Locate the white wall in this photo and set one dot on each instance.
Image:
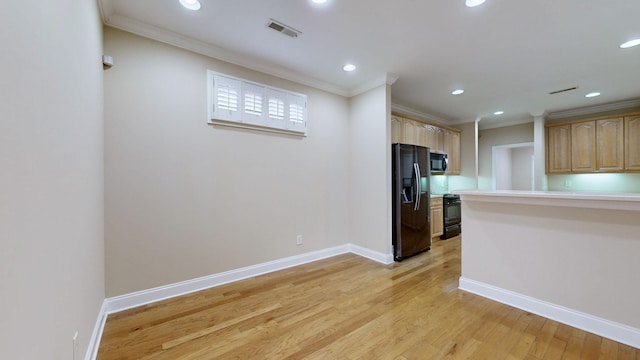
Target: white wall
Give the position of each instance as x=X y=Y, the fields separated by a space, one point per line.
x=521 y=168
x=503 y=172
x=185 y=199
x=370 y=170
x=515 y=134
x=51 y=177
x=562 y=252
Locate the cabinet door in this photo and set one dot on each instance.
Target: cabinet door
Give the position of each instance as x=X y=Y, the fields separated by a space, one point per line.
x=397 y=130
x=423 y=135
x=410 y=128
x=559 y=149
x=437 y=217
x=583 y=147
x=435 y=138
x=609 y=134
x=632 y=143
x=452 y=149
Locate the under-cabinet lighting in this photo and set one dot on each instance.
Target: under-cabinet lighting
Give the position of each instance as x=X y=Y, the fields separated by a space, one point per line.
x=499 y=112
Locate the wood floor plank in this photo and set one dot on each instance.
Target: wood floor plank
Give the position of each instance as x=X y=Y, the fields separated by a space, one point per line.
x=348 y=307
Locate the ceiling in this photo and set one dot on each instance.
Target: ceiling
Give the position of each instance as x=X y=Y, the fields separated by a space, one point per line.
x=506 y=54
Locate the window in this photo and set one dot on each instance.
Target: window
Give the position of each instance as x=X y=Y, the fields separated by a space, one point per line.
x=241 y=103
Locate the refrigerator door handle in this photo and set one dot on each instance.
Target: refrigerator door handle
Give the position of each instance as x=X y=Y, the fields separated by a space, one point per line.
x=416 y=169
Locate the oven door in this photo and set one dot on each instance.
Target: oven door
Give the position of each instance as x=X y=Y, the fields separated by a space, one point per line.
x=452 y=212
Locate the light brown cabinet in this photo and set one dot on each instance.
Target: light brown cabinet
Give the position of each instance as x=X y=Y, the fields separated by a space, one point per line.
x=606 y=145
x=632 y=143
x=452 y=149
x=610 y=145
x=436 y=138
x=583 y=147
x=559 y=149
x=437 y=216
x=397 y=130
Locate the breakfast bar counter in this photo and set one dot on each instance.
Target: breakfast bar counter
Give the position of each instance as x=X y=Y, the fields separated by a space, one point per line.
x=571 y=257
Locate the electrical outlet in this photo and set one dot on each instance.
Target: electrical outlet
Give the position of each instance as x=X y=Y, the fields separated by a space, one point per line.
x=299 y=240
x=568 y=183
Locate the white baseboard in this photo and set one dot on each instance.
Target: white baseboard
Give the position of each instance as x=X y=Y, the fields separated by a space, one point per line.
x=370 y=254
x=96 y=335
x=139 y=298
x=609 y=329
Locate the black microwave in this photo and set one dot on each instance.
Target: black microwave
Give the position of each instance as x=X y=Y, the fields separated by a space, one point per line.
x=439 y=163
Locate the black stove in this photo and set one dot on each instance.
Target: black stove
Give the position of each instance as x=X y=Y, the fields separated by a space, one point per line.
x=452 y=216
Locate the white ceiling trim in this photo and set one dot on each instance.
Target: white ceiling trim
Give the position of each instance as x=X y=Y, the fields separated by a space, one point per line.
x=200 y=47
x=590 y=110
x=386 y=79
x=419 y=114
x=106 y=10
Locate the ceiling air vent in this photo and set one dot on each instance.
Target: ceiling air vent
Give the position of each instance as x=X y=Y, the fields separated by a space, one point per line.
x=282 y=28
x=563 y=90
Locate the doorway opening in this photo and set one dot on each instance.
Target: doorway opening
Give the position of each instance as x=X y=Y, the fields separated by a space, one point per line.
x=513 y=167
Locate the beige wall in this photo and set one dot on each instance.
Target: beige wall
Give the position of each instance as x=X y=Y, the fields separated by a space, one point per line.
x=185 y=199
x=515 y=134
x=370 y=170
x=579 y=258
x=51 y=177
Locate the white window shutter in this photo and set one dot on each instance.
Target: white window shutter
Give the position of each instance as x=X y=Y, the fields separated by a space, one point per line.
x=246 y=104
x=226 y=104
x=253 y=104
x=276 y=108
x=297 y=113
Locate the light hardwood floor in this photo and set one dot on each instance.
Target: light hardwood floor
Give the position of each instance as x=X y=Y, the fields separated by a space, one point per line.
x=348 y=307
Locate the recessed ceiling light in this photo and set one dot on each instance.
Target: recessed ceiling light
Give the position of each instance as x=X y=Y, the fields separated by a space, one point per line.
x=319 y=1
x=457 y=92
x=472 y=3
x=349 y=67
x=630 y=43
x=191 y=4
x=499 y=112
x=592 y=94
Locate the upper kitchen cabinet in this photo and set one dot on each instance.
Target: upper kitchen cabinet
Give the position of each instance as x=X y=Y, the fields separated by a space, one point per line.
x=583 y=147
x=606 y=145
x=436 y=137
x=410 y=132
x=397 y=130
x=452 y=149
x=632 y=142
x=559 y=149
x=610 y=145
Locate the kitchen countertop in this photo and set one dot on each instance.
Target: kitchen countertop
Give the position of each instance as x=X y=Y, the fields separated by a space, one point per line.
x=596 y=200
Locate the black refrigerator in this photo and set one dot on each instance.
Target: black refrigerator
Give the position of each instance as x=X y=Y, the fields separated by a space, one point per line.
x=411 y=200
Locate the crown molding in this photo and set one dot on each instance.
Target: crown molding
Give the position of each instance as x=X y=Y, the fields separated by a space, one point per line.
x=168 y=37
x=386 y=79
x=419 y=114
x=106 y=10
x=590 y=110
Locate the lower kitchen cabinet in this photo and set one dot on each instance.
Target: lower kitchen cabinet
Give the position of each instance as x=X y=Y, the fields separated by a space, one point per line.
x=437 y=217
